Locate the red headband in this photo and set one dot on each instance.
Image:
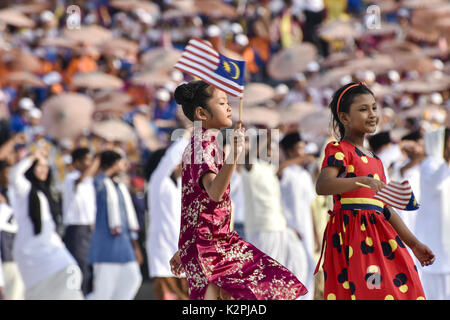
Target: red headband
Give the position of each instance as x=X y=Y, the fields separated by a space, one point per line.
x=346 y=89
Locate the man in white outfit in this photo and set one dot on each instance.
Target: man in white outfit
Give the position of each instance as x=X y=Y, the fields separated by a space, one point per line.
x=79 y=209
x=297 y=193
x=164 y=202
x=433 y=220
x=265 y=224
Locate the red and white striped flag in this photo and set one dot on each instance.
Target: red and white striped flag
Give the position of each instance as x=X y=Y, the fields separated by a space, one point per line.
x=398 y=195
x=201 y=60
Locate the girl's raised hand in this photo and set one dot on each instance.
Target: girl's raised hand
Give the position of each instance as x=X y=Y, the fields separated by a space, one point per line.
x=239 y=140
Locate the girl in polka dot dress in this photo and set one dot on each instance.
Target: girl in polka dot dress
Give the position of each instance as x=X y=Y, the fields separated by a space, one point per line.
x=364 y=250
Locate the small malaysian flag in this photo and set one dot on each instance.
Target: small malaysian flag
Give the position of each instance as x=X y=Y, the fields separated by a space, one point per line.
x=398 y=195
x=201 y=60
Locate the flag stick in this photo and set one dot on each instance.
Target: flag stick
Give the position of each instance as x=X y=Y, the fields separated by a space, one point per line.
x=241 y=107
x=363 y=185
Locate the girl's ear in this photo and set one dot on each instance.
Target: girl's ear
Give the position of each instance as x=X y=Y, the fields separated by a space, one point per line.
x=344 y=118
x=201 y=114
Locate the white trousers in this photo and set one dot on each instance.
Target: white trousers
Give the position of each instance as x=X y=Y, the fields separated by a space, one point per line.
x=14 y=288
x=436 y=285
x=63 y=285
x=116 y=281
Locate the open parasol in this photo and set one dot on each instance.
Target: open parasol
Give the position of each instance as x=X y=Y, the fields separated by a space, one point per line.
x=15 y=18
x=24 y=78
x=67 y=115
x=297 y=111
x=97 y=80
x=256 y=93
x=114 y=130
x=90 y=35
x=285 y=64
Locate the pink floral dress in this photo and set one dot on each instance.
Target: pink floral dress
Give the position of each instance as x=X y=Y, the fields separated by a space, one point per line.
x=209 y=251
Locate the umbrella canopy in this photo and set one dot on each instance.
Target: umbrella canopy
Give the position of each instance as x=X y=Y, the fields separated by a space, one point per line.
x=210 y=8
x=31 y=8
x=67 y=115
x=24 y=78
x=21 y=61
x=338 y=30
x=378 y=64
x=119 y=47
x=398 y=47
x=256 y=93
x=91 y=35
x=146 y=132
x=97 y=80
x=297 y=111
x=130 y=5
x=160 y=59
x=16 y=18
x=58 y=42
x=151 y=78
x=285 y=64
x=115 y=101
x=114 y=130
x=316 y=123
x=422 y=86
x=258 y=115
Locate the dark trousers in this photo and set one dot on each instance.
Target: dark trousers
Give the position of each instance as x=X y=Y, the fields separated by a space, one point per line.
x=313 y=21
x=77 y=239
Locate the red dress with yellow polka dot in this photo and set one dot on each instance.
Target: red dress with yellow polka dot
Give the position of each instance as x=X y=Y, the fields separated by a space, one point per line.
x=364 y=258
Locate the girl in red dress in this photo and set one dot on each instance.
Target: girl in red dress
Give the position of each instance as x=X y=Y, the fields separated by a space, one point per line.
x=365 y=256
x=217 y=262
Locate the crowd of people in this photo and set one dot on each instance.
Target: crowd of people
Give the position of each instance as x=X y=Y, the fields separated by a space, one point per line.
x=98 y=207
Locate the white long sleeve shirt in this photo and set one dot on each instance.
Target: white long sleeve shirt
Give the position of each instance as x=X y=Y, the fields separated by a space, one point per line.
x=297 y=193
x=263 y=209
x=433 y=220
x=79 y=206
x=37 y=256
x=164 y=203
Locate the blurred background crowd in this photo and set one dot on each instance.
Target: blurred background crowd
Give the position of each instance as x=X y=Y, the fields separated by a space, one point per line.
x=99 y=74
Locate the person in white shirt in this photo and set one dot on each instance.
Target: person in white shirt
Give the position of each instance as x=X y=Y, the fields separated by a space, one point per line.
x=433 y=220
x=297 y=194
x=47 y=268
x=79 y=209
x=164 y=203
x=265 y=223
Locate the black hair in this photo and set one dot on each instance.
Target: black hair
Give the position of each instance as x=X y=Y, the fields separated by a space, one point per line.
x=290 y=140
x=79 y=154
x=153 y=162
x=192 y=95
x=108 y=158
x=414 y=136
x=379 y=140
x=344 y=105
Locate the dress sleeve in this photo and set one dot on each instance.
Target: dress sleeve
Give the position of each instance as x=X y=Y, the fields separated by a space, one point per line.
x=335 y=155
x=205 y=160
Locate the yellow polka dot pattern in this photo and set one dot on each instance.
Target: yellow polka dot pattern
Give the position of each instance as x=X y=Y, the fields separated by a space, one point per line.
x=403 y=288
x=351 y=169
x=420 y=298
x=393 y=244
x=364 y=159
x=389 y=297
x=369 y=241
x=339 y=156
x=373 y=269
x=350 y=252
x=376 y=176
x=331 y=296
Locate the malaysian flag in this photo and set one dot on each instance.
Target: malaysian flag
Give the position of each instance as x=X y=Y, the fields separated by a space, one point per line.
x=201 y=60
x=398 y=195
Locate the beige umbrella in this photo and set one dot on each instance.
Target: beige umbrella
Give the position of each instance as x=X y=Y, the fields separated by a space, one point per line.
x=130 y=5
x=336 y=59
x=422 y=86
x=256 y=93
x=297 y=111
x=285 y=64
x=160 y=59
x=378 y=64
x=16 y=18
x=58 y=42
x=338 y=30
x=316 y=123
x=91 y=35
x=414 y=4
x=210 y=8
x=413 y=62
x=151 y=79
x=396 y=47
x=119 y=47
x=67 y=115
x=385 y=29
x=332 y=77
x=258 y=115
x=114 y=130
x=21 y=61
x=97 y=80
x=24 y=78
x=146 y=132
